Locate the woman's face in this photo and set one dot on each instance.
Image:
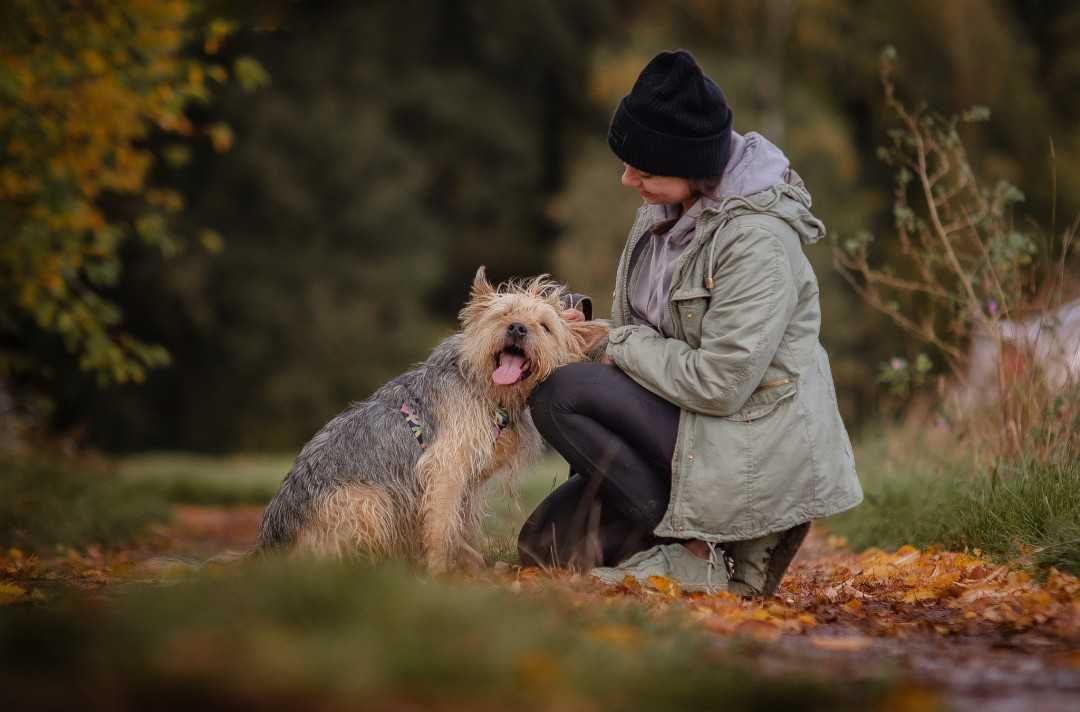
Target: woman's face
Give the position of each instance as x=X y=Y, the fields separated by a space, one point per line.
x=659 y=190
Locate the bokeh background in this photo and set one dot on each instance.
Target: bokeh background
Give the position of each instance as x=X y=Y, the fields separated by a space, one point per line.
x=335 y=207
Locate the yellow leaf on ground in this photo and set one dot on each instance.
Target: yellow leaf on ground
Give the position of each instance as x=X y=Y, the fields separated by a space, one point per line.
x=664 y=585
x=630 y=584
x=759 y=629
x=845 y=644
x=881 y=572
x=620 y=635
x=10 y=593
x=911 y=699
x=537 y=669
x=920 y=594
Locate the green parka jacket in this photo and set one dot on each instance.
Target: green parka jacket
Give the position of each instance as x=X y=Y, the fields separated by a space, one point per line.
x=761 y=446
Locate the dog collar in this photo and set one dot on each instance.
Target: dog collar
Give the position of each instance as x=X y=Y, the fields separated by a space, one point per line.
x=502 y=421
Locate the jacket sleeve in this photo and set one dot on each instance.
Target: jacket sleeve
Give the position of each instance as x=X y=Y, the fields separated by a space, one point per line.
x=748 y=313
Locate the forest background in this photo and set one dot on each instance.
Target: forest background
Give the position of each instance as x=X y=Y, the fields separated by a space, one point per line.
x=334 y=191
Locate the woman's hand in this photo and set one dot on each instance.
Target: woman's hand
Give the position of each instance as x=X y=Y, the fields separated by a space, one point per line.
x=597 y=345
x=572 y=315
x=597 y=348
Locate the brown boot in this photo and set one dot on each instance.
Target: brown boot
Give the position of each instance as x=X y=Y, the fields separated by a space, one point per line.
x=760 y=563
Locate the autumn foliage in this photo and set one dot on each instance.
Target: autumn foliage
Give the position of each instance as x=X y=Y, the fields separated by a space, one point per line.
x=83 y=86
x=842 y=600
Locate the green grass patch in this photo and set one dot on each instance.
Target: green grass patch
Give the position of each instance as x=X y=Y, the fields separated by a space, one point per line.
x=289 y=634
x=1022 y=511
x=506 y=513
x=185 y=478
x=43 y=505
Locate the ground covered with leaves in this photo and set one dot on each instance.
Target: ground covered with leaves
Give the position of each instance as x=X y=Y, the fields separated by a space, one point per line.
x=162 y=613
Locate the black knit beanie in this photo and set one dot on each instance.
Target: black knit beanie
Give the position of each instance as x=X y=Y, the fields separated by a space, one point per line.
x=674 y=122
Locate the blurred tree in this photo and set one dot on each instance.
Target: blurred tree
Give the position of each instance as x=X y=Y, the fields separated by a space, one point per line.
x=400 y=146
x=804 y=73
x=403 y=144
x=82 y=88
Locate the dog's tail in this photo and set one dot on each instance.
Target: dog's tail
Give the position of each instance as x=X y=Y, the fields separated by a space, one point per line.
x=285 y=515
x=171 y=567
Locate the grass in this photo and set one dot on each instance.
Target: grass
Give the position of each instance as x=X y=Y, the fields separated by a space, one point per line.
x=917 y=492
x=281 y=633
x=288 y=634
x=185 y=478
x=506 y=513
x=44 y=504
x=253 y=479
x=916 y=495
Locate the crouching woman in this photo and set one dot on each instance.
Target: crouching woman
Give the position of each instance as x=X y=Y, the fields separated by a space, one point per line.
x=710 y=437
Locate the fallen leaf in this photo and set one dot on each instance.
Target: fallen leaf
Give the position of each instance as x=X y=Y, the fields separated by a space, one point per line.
x=10 y=593
x=844 y=644
x=619 y=635
x=664 y=585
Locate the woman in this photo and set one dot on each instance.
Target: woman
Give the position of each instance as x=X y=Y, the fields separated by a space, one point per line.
x=719 y=424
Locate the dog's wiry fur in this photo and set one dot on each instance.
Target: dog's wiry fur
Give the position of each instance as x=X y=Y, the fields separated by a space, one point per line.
x=363 y=484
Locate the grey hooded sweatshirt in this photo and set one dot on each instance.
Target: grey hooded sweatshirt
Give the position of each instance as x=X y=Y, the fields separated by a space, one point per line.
x=755 y=164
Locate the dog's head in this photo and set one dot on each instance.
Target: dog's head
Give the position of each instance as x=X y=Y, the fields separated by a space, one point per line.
x=515 y=337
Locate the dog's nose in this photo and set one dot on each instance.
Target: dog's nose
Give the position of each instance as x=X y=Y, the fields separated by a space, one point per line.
x=516 y=330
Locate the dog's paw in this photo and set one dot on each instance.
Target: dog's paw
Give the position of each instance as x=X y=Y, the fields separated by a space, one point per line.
x=470 y=559
x=437 y=563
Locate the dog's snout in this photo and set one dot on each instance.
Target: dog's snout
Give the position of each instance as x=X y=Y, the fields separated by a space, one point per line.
x=516 y=330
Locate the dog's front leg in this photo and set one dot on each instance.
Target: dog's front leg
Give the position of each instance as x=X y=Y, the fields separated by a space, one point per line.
x=445 y=477
x=472 y=542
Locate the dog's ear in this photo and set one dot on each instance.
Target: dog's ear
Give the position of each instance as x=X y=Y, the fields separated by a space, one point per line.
x=589 y=336
x=480 y=286
x=480 y=298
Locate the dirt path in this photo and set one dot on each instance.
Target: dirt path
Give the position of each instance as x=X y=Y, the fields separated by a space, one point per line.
x=987 y=637
x=954 y=626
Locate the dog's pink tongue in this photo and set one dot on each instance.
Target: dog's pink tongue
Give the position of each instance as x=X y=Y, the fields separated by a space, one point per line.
x=509 y=370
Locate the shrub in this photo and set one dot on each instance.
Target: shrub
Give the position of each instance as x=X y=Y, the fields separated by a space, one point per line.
x=985 y=295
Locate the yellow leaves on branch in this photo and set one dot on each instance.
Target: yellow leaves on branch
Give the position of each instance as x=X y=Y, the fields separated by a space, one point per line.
x=79 y=100
x=82 y=85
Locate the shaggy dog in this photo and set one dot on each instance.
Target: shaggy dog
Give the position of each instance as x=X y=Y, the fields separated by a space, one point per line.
x=400 y=474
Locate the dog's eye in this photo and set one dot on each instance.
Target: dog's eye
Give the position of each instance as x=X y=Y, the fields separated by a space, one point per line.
x=546 y=327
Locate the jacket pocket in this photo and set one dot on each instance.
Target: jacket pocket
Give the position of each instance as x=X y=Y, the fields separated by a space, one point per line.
x=764 y=401
x=690 y=306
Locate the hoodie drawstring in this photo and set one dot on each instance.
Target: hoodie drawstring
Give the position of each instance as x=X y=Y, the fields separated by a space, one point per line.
x=712 y=563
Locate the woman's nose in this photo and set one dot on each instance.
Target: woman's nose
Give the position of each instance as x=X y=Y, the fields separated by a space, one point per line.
x=630 y=177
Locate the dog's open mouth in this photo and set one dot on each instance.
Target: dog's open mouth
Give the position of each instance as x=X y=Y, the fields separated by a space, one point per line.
x=511 y=365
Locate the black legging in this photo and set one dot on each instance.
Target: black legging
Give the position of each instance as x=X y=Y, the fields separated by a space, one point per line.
x=619 y=440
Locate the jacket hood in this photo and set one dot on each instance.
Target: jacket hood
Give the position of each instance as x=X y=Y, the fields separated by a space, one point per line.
x=760 y=179
x=755 y=164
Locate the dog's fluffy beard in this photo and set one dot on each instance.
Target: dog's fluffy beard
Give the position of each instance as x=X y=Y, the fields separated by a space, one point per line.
x=515 y=337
